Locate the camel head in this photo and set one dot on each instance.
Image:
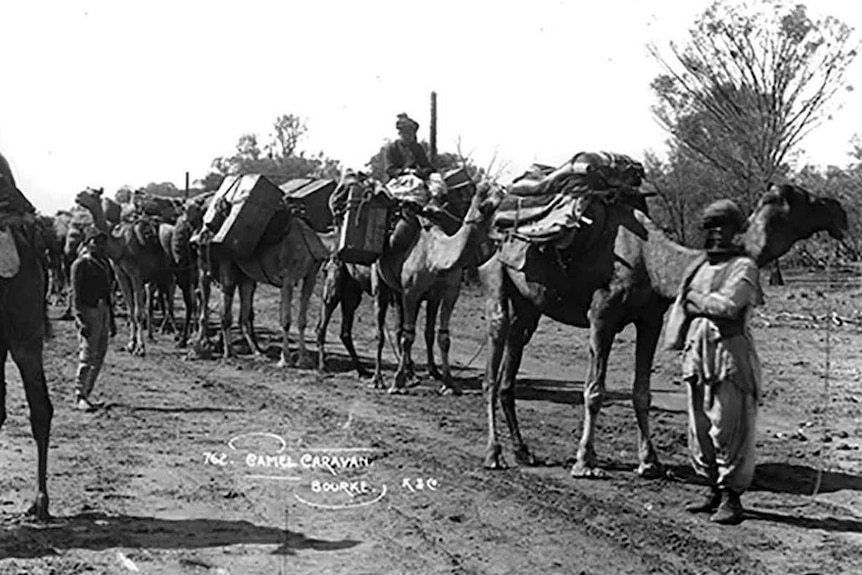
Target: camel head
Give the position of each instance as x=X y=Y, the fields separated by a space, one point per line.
x=90 y=199
x=786 y=214
x=484 y=202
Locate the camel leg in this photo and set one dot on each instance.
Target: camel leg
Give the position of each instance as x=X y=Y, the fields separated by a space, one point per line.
x=602 y=332
x=648 y=333
x=432 y=305
x=350 y=301
x=522 y=327
x=497 y=321
x=410 y=308
x=140 y=306
x=332 y=296
x=304 y=361
x=28 y=358
x=286 y=300
x=246 y=317
x=409 y=368
x=170 y=326
x=227 y=290
x=151 y=297
x=381 y=303
x=189 y=304
x=203 y=312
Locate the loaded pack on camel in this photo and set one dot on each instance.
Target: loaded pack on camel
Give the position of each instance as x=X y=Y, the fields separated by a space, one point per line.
x=250 y=212
x=253 y=232
x=549 y=209
x=372 y=217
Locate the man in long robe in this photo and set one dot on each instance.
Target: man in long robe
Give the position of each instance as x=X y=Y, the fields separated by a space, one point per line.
x=720 y=364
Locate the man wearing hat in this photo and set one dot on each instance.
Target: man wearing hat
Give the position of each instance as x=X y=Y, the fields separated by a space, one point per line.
x=720 y=362
x=94 y=313
x=406 y=154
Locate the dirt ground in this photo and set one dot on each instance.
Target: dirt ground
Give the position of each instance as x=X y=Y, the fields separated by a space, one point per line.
x=212 y=467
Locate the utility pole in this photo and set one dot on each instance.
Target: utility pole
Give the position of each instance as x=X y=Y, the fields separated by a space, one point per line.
x=187 y=186
x=432 y=138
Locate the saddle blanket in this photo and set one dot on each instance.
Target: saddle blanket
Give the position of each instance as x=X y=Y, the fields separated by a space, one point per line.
x=10 y=262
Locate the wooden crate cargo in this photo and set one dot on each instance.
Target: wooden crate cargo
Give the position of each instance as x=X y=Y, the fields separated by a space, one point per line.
x=314 y=195
x=362 y=236
x=253 y=200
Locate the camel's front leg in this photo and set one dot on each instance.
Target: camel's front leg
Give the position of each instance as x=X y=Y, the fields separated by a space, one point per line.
x=648 y=333
x=140 y=314
x=227 y=290
x=28 y=357
x=410 y=307
x=522 y=327
x=203 y=314
x=447 y=306
x=330 y=298
x=381 y=295
x=602 y=332
x=497 y=319
x=303 y=361
x=246 y=317
x=126 y=289
x=285 y=314
x=432 y=306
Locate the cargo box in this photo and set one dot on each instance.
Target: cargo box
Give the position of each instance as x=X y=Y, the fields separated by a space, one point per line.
x=363 y=232
x=314 y=196
x=253 y=200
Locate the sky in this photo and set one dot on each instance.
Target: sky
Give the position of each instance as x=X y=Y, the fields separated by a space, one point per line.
x=109 y=93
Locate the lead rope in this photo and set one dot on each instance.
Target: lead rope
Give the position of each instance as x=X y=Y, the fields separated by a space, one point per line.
x=824 y=451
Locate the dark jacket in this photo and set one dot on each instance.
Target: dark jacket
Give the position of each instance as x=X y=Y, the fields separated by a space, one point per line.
x=91 y=280
x=400 y=156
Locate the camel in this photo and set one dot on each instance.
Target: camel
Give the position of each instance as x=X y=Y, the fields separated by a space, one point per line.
x=621 y=269
x=137 y=257
x=344 y=285
x=431 y=266
x=290 y=253
x=23 y=320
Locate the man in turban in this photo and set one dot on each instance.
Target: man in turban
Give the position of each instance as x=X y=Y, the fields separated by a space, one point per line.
x=406 y=154
x=720 y=363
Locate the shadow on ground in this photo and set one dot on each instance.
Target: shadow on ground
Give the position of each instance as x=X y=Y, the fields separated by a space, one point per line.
x=97 y=531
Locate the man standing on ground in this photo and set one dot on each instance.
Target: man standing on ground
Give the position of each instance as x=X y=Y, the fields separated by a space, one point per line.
x=94 y=313
x=720 y=363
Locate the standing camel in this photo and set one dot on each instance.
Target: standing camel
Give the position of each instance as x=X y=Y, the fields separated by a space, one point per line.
x=293 y=255
x=621 y=269
x=430 y=267
x=343 y=286
x=23 y=320
x=134 y=249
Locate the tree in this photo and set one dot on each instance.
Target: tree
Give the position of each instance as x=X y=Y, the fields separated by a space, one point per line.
x=279 y=160
x=750 y=84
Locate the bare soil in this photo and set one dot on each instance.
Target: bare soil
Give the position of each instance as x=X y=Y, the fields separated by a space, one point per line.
x=179 y=471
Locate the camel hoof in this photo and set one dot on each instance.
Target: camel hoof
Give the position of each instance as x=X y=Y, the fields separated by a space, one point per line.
x=283 y=364
x=453 y=390
x=39 y=509
x=650 y=471
x=524 y=457
x=494 y=459
x=583 y=471
x=397 y=390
